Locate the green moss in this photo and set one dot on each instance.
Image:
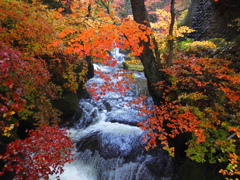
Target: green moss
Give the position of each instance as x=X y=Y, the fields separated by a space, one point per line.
x=133 y=67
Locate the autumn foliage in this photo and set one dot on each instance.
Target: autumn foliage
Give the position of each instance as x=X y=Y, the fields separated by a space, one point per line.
x=43 y=153
x=201 y=97
x=95 y=34
x=27 y=88
x=118 y=82
x=43 y=54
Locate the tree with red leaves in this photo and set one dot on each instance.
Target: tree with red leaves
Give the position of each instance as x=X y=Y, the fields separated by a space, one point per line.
x=43 y=153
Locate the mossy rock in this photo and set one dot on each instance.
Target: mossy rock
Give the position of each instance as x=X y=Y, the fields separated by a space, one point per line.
x=125 y=51
x=128 y=58
x=68 y=104
x=132 y=63
x=133 y=67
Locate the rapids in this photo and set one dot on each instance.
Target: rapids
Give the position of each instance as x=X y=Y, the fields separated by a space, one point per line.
x=108 y=141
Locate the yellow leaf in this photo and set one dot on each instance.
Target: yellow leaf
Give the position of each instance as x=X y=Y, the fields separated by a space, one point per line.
x=12 y=112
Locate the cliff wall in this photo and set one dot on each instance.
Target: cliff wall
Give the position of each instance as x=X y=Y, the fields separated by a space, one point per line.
x=213 y=19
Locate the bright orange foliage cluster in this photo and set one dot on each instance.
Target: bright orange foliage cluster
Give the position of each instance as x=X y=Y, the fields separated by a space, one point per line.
x=101 y=36
x=95 y=34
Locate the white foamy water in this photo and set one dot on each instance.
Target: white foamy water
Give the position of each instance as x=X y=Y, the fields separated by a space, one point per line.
x=76 y=171
x=85 y=169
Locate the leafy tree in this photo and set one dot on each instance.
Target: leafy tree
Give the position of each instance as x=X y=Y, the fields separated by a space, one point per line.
x=27 y=86
x=43 y=153
x=196 y=103
x=97 y=34
x=201 y=100
x=41 y=51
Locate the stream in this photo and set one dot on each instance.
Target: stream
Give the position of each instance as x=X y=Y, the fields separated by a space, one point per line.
x=108 y=141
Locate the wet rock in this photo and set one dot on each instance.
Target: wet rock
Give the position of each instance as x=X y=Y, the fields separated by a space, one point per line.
x=107 y=105
x=117 y=141
x=89 y=141
x=128 y=116
x=114 y=146
x=111 y=140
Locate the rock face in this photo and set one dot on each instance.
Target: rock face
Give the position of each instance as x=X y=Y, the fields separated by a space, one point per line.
x=113 y=142
x=212 y=19
x=69 y=103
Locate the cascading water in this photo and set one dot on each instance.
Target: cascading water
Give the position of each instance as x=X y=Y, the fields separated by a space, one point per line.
x=108 y=142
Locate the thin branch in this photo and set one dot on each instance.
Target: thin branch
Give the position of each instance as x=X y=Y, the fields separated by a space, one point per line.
x=171 y=41
x=231 y=136
x=107 y=7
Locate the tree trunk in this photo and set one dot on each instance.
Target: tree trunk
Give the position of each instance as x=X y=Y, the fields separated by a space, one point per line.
x=171 y=40
x=149 y=57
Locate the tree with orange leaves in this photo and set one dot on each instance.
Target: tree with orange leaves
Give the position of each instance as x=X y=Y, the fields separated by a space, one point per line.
x=201 y=102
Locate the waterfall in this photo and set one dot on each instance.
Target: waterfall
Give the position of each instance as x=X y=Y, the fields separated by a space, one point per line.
x=108 y=141
x=117 y=55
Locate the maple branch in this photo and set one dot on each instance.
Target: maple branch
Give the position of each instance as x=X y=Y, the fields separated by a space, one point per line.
x=89 y=10
x=171 y=40
x=107 y=7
